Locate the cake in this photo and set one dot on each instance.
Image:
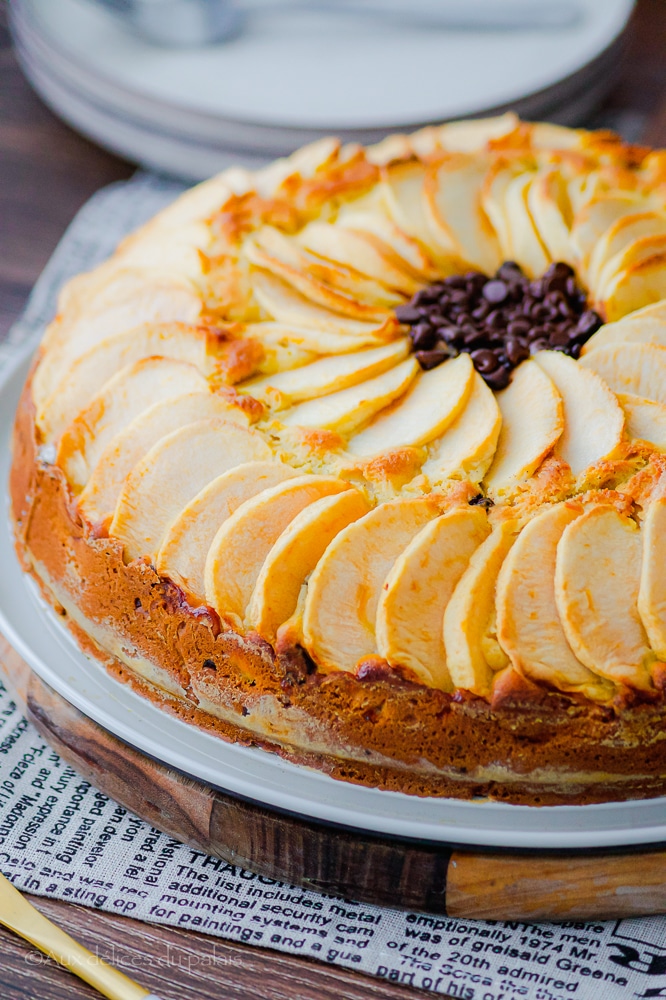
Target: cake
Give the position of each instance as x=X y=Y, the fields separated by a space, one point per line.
x=361 y=459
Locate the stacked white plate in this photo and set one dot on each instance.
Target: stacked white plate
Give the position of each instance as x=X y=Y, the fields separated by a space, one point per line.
x=293 y=77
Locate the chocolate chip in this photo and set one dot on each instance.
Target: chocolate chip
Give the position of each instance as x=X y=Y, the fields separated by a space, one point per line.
x=480 y=501
x=495 y=291
x=407 y=314
x=430 y=359
x=499 y=379
x=484 y=361
x=541 y=344
x=515 y=351
x=423 y=336
x=589 y=322
x=518 y=327
x=559 y=338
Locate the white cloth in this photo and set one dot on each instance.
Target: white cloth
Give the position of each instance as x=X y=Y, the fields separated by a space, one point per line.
x=61 y=837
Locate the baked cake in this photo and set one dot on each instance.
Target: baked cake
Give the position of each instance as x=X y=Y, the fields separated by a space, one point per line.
x=361 y=458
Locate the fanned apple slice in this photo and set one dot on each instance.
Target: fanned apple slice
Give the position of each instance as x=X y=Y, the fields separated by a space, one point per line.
x=92 y=370
x=499 y=177
x=326 y=375
x=524 y=443
x=606 y=258
x=347 y=409
x=172 y=473
x=312 y=278
x=452 y=192
x=656 y=310
x=430 y=405
x=410 y=612
x=132 y=298
x=645 y=420
x=283 y=342
x=628 y=331
x=595 y=218
x=287 y=306
x=100 y=494
x=367 y=255
x=382 y=232
x=470 y=135
x=596 y=588
x=467 y=447
x=638 y=369
x=124 y=397
x=343 y=591
x=403 y=185
x=528 y=624
x=526 y=246
x=294 y=556
x=182 y=555
x=593 y=418
x=652 y=590
x=469 y=614
x=639 y=285
x=549 y=206
x=641 y=251
x=243 y=541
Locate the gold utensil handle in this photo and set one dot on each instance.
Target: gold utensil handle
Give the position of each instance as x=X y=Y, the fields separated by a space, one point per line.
x=20 y=916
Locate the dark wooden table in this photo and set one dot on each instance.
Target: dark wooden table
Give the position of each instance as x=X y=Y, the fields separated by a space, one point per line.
x=47 y=172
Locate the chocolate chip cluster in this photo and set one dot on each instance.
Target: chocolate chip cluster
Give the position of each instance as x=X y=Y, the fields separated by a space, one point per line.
x=499 y=321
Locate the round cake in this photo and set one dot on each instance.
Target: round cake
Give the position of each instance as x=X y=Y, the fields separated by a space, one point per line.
x=361 y=459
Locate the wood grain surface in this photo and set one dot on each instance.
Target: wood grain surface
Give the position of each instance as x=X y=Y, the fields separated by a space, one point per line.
x=46 y=172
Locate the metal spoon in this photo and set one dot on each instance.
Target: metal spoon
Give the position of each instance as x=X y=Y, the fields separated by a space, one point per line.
x=187 y=23
x=20 y=916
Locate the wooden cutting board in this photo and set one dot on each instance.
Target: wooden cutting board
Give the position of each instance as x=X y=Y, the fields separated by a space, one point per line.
x=369 y=868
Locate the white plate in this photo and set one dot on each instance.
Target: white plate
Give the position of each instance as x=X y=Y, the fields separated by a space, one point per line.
x=38 y=636
x=318 y=71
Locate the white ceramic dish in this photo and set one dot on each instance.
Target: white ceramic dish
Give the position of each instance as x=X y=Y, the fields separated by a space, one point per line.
x=39 y=637
x=178 y=110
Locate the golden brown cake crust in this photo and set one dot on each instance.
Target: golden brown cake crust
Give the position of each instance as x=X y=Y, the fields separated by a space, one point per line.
x=375 y=727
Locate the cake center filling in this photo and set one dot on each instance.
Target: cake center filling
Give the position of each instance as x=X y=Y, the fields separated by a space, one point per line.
x=500 y=320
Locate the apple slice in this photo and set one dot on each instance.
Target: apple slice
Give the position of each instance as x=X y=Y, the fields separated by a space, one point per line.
x=172 y=473
x=430 y=405
x=525 y=245
x=638 y=369
x=550 y=209
x=638 y=285
x=467 y=447
x=368 y=256
x=524 y=443
x=327 y=375
x=244 y=540
x=312 y=278
x=403 y=185
x=410 y=611
x=500 y=175
x=182 y=555
x=593 y=418
x=595 y=218
x=652 y=590
x=642 y=330
x=294 y=556
x=126 y=448
x=472 y=135
x=284 y=343
x=92 y=370
x=528 y=624
x=347 y=409
x=656 y=310
x=641 y=250
x=382 y=232
x=131 y=391
x=343 y=591
x=607 y=256
x=287 y=306
x=132 y=298
x=645 y=420
x=469 y=613
x=452 y=192
x=596 y=588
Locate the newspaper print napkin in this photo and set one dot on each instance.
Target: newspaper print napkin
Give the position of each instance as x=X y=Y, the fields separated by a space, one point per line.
x=61 y=837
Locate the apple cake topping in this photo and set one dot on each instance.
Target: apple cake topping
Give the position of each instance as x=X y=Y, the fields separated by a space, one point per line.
x=499 y=321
